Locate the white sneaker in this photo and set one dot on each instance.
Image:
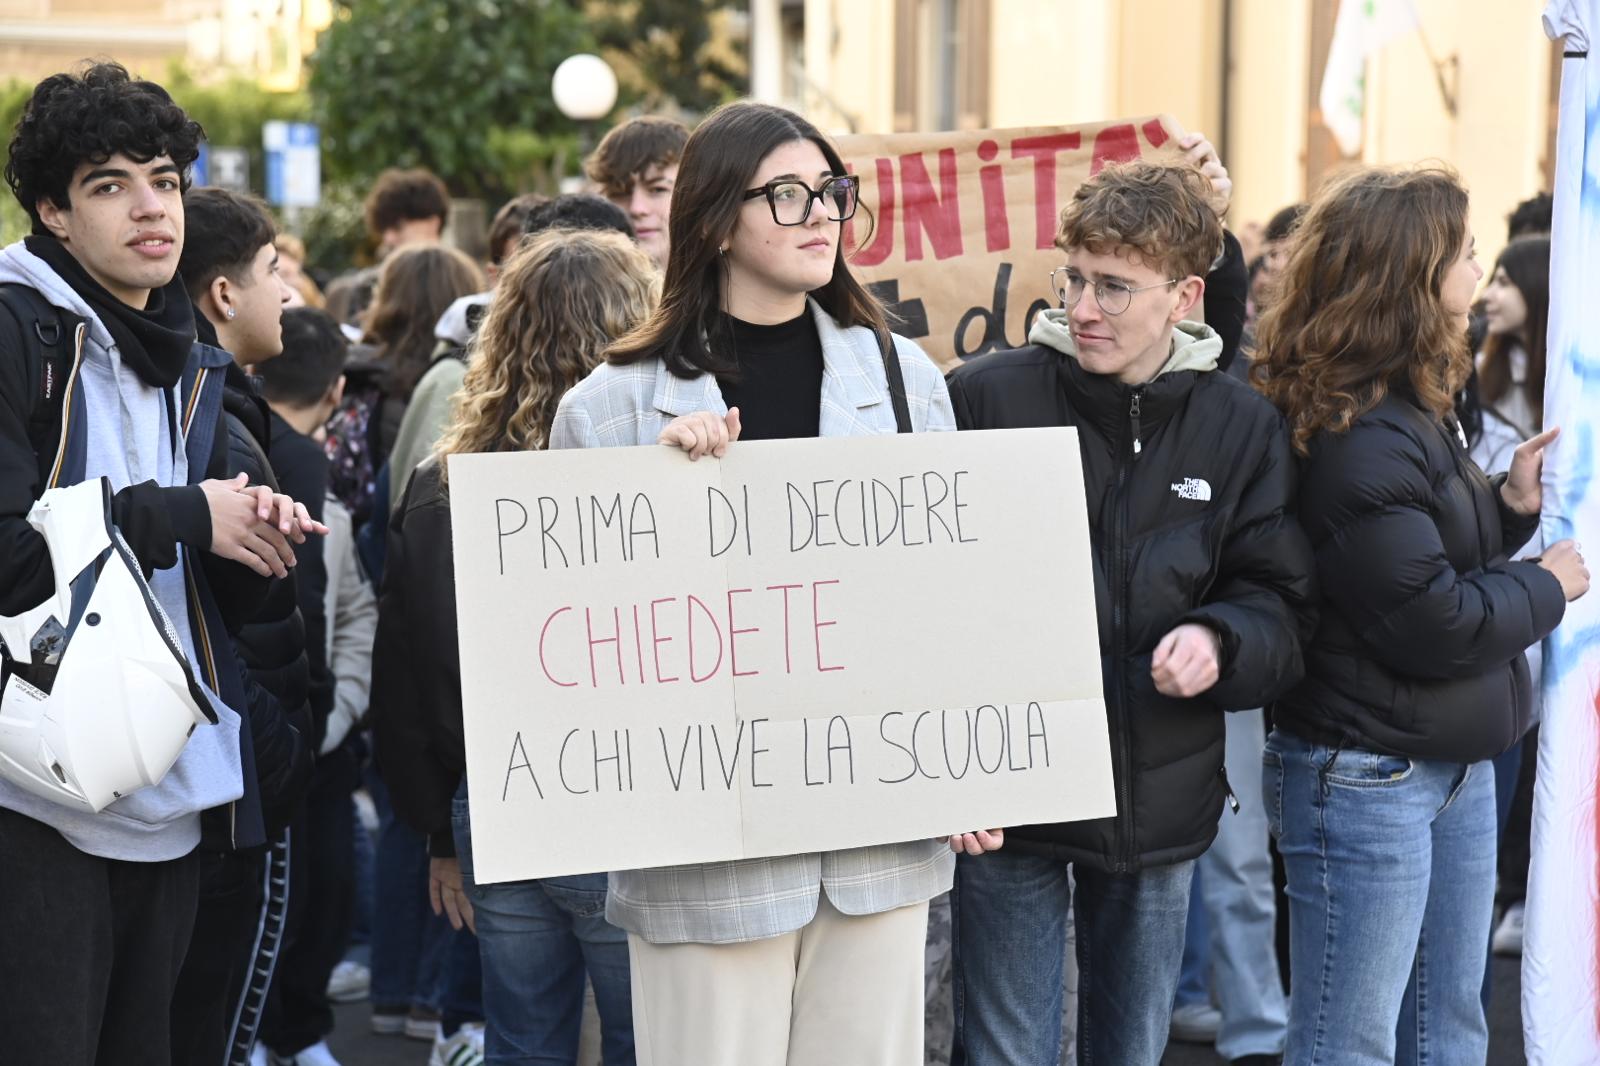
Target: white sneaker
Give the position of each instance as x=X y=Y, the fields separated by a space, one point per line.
x=258 y=1055
x=1195 y=1023
x=464 y=1047
x=350 y=982
x=315 y=1055
x=1507 y=939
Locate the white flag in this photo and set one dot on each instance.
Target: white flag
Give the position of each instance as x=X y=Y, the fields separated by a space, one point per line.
x=1364 y=26
x=1561 y=947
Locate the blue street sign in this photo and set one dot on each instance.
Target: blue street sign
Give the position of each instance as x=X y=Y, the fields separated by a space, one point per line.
x=294 y=163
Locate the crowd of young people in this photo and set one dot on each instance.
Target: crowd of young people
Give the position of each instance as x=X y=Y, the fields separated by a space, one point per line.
x=1350 y=568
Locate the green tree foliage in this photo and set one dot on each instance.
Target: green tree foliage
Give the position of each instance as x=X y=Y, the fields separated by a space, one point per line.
x=668 y=52
x=335 y=231
x=461 y=87
x=14 y=221
x=232 y=112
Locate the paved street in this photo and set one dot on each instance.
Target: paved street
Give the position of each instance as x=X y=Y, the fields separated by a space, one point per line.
x=355 y=1045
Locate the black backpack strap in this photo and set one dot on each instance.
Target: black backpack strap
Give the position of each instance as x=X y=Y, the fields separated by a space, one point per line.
x=897 y=382
x=47 y=351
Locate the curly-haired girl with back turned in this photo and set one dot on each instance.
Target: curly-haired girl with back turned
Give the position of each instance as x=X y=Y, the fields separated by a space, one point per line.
x=1378 y=785
x=562 y=298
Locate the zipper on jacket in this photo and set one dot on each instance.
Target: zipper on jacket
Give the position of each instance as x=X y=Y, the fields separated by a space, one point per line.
x=1122 y=860
x=1133 y=417
x=201 y=635
x=1233 y=801
x=79 y=335
x=200 y=629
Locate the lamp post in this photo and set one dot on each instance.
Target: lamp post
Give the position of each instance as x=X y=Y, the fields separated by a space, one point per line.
x=585 y=89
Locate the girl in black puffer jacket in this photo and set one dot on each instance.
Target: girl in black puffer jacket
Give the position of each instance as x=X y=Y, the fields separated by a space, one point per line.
x=1377 y=780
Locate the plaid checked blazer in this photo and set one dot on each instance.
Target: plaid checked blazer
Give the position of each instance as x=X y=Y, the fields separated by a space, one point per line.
x=726 y=902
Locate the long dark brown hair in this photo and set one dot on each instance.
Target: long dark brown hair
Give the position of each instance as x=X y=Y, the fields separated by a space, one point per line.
x=1360 y=308
x=1526 y=262
x=719 y=163
x=415 y=287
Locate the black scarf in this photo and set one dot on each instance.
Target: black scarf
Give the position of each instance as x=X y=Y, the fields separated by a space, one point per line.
x=154 y=342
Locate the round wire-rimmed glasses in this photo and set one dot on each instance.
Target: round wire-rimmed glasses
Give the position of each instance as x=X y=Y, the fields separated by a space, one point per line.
x=1113 y=297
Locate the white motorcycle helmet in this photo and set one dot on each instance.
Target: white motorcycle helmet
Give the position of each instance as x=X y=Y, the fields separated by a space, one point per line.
x=98 y=698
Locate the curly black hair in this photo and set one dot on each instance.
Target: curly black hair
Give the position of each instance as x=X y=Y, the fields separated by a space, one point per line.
x=88 y=117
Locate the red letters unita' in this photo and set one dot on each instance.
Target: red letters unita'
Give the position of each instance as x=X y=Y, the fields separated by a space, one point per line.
x=936 y=215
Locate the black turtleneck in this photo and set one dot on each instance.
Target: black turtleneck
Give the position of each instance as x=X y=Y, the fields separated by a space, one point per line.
x=153 y=341
x=778 y=388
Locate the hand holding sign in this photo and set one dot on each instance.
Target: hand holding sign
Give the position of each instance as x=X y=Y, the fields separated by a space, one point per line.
x=1199 y=150
x=702 y=433
x=979 y=842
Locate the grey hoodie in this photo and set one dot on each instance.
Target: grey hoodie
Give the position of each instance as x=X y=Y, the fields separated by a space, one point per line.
x=1195 y=345
x=126 y=435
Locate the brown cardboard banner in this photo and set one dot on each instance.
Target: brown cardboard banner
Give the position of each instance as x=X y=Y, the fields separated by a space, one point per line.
x=956 y=230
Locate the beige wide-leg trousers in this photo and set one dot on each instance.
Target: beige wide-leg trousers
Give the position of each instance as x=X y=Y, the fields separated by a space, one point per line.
x=842 y=991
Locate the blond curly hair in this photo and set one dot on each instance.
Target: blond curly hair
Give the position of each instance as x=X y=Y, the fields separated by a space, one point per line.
x=1161 y=211
x=562 y=298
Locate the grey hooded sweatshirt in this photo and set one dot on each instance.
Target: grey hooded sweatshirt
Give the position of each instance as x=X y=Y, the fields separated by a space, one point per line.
x=127 y=444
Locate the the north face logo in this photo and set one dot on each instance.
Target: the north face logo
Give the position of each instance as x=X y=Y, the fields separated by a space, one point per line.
x=1193 y=488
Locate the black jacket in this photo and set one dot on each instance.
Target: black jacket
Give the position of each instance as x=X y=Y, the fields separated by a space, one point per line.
x=271 y=639
x=416 y=664
x=302 y=471
x=154 y=520
x=1420 y=647
x=1197 y=527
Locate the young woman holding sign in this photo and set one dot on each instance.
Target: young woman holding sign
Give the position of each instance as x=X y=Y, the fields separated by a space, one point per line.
x=763 y=333
x=560 y=300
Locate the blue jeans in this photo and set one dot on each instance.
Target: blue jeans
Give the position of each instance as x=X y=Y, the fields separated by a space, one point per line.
x=1009 y=910
x=1391 y=866
x=410 y=944
x=1194 y=979
x=537 y=940
x=1235 y=885
x=461 y=983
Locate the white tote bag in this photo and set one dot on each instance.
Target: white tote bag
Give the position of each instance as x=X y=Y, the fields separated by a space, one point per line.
x=98 y=698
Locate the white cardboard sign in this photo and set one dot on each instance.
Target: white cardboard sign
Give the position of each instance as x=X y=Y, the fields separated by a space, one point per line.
x=804 y=646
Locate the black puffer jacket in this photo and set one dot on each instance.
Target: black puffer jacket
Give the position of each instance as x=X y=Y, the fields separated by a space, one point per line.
x=271 y=640
x=1420 y=647
x=416 y=664
x=1197 y=527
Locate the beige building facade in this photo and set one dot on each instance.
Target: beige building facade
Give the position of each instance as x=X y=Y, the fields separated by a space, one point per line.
x=1474 y=86
x=265 y=40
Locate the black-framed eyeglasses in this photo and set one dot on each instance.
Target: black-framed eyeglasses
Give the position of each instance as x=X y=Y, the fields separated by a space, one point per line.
x=791 y=198
x=1112 y=297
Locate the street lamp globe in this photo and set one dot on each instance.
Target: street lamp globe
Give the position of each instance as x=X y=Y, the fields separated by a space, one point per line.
x=584 y=87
